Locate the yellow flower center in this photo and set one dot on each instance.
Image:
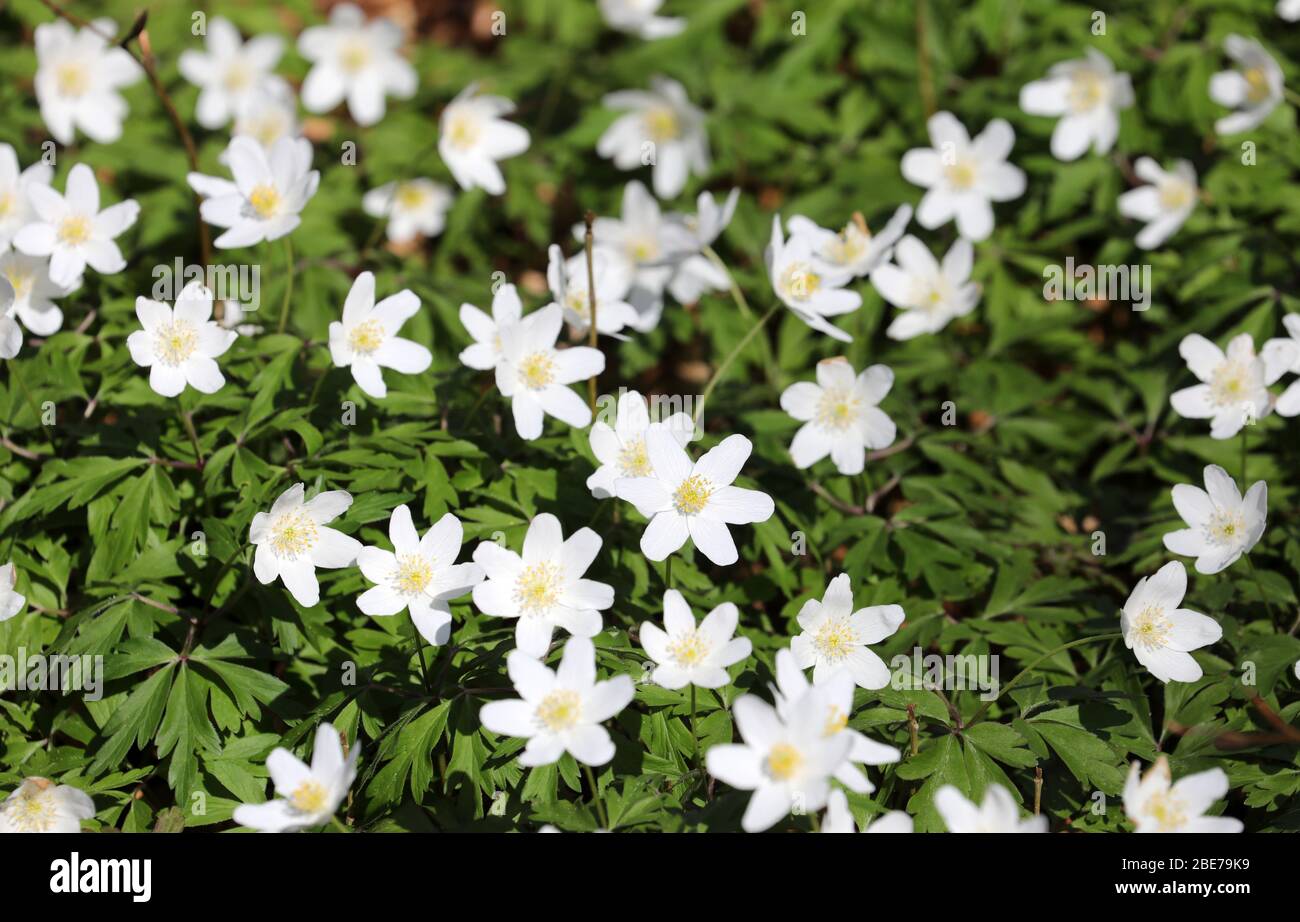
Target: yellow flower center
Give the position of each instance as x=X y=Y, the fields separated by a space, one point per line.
x=961 y=175
x=834 y=639
x=799 y=281
x=1257 y=89
x=784 y=761
x=1152 y=627
x=537 y=370
x=692 y=495
x=847 y=246
x=74 y=230
x=836 y=721
x=633 y=460
x=309 y=797
x=463 y=130
x=354 y=57
x=1087 y=90
x=1226 y=527
x=661 y=124
x=560 y=710
x=8 y=204
x=267 y=129
x=1168 y=811
x=837 y=410
x=265 y=200
x=21 y=281
x=1230 y=383
x=238 y=77
x=410 y=195
x=643 y=250
x=175 y=342
x=578 y=301
x=366 y=336
x=293 y=534
x=689 y=649
x=413 y=574
x=537 y=588
x=1175 y=194
x=72 y=78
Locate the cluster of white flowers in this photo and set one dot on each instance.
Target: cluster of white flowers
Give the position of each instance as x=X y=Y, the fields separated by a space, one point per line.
x=793 y=750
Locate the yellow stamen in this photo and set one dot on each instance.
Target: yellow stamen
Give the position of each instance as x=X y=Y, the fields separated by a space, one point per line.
x=537 y=588
x=537 y=371
x=265 y=200
x=175 y=342
x=560 y=710
x=309 y=797
x=74 y=230
x=784 y=761
x=366 y=336
x=692 y=495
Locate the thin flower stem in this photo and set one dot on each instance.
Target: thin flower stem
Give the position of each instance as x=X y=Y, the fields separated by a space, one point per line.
x=187 y=418
x=589 y=242
x=595 y=796
x=726 y=363
x=979 y=714
x=769 y=360
x=419 y=652
x=288 y=288
x=338 y=824
x=925 y=79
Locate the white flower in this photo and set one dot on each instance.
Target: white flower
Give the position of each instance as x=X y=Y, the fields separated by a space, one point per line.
x=928 y=293
x=835 y=637
x=507 y=310
x=963 y=177
x=34 y=292
x=1155 y=805
x=72 y=231
x=837 y=693
x=1164 y=205
x=1288 y=402
x=661 y=128
x=268 y=113
x=998 y=812
x=613 y=277
x=621 y=448
x=11 y=600
x=1221 y=525
x=637 y=17
x=536 y=376
x=784 y=761
x=229 y=72
x=1162 y=635
x=854 y=249
x=40 y=805
x=806 y=285
x=418 y=574
x=694 y=273
x=839 y=819
x=15 y=204
x=308 y=796
x=1254 y=90
x=367 y=339
x=355 y=60
x=78 y=75
x=292 y=541
x=840 y=415
x=1289 y=10
x=270 y=190
x=543 y=587
x=414 y=208
x=473 y=136
x=179 y=344
x=1088 y=95
x=685 y=654
x=1234 y=387
x=647 y=243
x=696 y=501
x=11 y=334
x=562 y=710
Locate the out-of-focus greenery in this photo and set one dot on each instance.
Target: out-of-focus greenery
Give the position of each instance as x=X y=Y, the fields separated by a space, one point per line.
x=984 y=530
